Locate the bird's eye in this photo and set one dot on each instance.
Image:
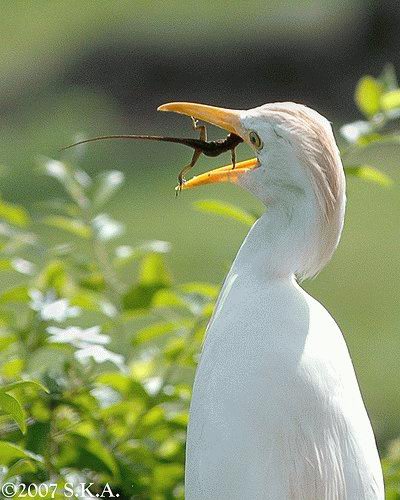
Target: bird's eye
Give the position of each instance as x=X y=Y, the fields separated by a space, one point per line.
x=255 y=140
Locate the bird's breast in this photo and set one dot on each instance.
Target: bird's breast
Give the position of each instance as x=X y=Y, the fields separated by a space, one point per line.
x=268 y=341
x=274 y=384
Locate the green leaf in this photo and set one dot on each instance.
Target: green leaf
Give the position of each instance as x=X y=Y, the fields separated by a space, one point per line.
x=390 y=100
x=140 y=296
x=37 y=437
x=53 y=275
x=10 y=452
x=25 y=383
x=16 y=294
x=370 y=174
x=95 y=456
x=13 y=408
x=40 y=410
x=5 y=265
x=21 y=467
x=6 y=341
x=12 y=368
x=169 y=448
x=153 y=276
x=153 y=331
x=368 y=95
x=368 y=139
x=117 y=381
x=392 y=492
x=181 y=420
x=103 y=454
x=87 y=300
x=94 y=281
x=166 y=476
x=174 y=348
x=388 y=77
x=153 y=271
x=14 y=214
x=74 y=226
x=123 y=384
x=142 y=369
x=225 y=210
x=206 y=289
x=107 y=185
x=168 y=298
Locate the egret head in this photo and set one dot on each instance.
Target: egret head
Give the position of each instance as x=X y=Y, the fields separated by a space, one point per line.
x=297 y=166
x=297 y=154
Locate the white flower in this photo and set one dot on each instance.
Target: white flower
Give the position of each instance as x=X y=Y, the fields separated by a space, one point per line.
x=83 y=178
x=106 y=227
x=115 y=178
x=124 y=251
x=51 y=308
x=108 y=309
x=153 y=385
x=23 y=266
x=56 y=169
x=106 y=396
x=78 y=337
x=100 y=354
x=156 y=246
x=89 y=343
x=353 y=131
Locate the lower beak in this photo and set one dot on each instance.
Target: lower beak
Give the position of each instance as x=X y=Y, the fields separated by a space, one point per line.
x=228 y=119
x=222 y=174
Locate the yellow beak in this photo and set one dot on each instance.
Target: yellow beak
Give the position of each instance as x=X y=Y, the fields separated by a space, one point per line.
x=221 y=174
x=228 y=119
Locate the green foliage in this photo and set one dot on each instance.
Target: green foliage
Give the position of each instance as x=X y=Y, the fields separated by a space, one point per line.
x=226 y=210
x=368 y=173
x=98 y=346
x=13 y=214
x=391 y=470
x=377 y=95
x=378 y=99
x=98 y=343
x=73 y=226
x=368 y=95
x=11 y=406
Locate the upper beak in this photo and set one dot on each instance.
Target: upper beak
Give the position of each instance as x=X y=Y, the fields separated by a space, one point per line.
x=228 y=119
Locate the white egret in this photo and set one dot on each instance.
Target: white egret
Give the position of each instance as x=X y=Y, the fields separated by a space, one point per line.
x=276 y=411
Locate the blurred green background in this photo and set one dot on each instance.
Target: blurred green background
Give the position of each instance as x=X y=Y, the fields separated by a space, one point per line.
x=88 y=68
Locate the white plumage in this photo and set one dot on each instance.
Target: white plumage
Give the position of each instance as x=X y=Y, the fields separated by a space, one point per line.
x=276 y=412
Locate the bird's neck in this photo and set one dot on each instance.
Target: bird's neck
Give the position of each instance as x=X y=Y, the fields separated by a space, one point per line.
x=289 y=239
